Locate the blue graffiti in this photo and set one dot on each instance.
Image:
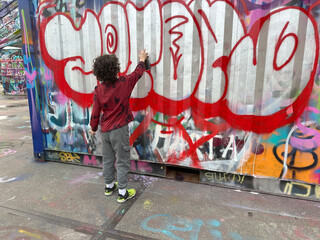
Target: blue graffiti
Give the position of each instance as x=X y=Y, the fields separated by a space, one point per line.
x=15 y=179
x=169 y=224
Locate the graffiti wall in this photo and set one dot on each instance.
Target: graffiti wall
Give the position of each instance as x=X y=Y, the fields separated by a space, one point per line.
x=233 y=85
x=12 y=72
x=9 y=18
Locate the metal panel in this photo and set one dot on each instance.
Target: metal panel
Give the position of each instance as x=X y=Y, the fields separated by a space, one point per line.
x=233 y=85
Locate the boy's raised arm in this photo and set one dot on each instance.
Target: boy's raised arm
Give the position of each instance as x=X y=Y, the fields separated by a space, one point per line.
x=141 y=67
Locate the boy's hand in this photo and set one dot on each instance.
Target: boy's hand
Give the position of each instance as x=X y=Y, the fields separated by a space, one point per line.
x=92 y=132
x=143 y=55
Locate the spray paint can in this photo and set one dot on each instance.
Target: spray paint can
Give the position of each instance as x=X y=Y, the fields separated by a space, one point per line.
x=147 y=62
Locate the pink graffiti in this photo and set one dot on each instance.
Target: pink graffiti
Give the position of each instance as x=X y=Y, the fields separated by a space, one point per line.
x=306 y=144
x=83 y=178
x=61 y=98
x=31 y=77
x=90 y=160
x=141 y=167
x=47 y=73
x=7 y=151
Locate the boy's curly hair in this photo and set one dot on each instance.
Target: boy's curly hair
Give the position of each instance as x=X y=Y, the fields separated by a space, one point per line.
x=106 y=68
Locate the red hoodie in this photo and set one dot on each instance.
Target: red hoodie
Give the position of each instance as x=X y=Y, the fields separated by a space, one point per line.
x=113 y=100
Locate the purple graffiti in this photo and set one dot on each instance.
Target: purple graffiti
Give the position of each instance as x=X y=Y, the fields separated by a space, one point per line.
x=306 y=144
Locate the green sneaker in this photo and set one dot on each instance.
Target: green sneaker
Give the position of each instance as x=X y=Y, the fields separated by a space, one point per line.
x=129 y=194
x=109 y=191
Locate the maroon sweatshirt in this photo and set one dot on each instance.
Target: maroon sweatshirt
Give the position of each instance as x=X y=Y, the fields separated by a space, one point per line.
x=113 y=100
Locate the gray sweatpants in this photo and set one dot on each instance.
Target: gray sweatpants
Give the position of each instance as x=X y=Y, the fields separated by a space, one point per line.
x=115 y=145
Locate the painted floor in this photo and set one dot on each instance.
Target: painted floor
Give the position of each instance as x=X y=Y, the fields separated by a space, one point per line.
x=48 y=200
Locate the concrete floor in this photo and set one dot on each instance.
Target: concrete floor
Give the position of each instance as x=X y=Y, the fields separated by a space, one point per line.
x=61 y=201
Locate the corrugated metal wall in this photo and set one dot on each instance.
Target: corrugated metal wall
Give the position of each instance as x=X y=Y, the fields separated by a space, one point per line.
x=233 y=87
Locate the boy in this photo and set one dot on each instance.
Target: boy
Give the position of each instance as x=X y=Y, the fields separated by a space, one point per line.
x=112 y=97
